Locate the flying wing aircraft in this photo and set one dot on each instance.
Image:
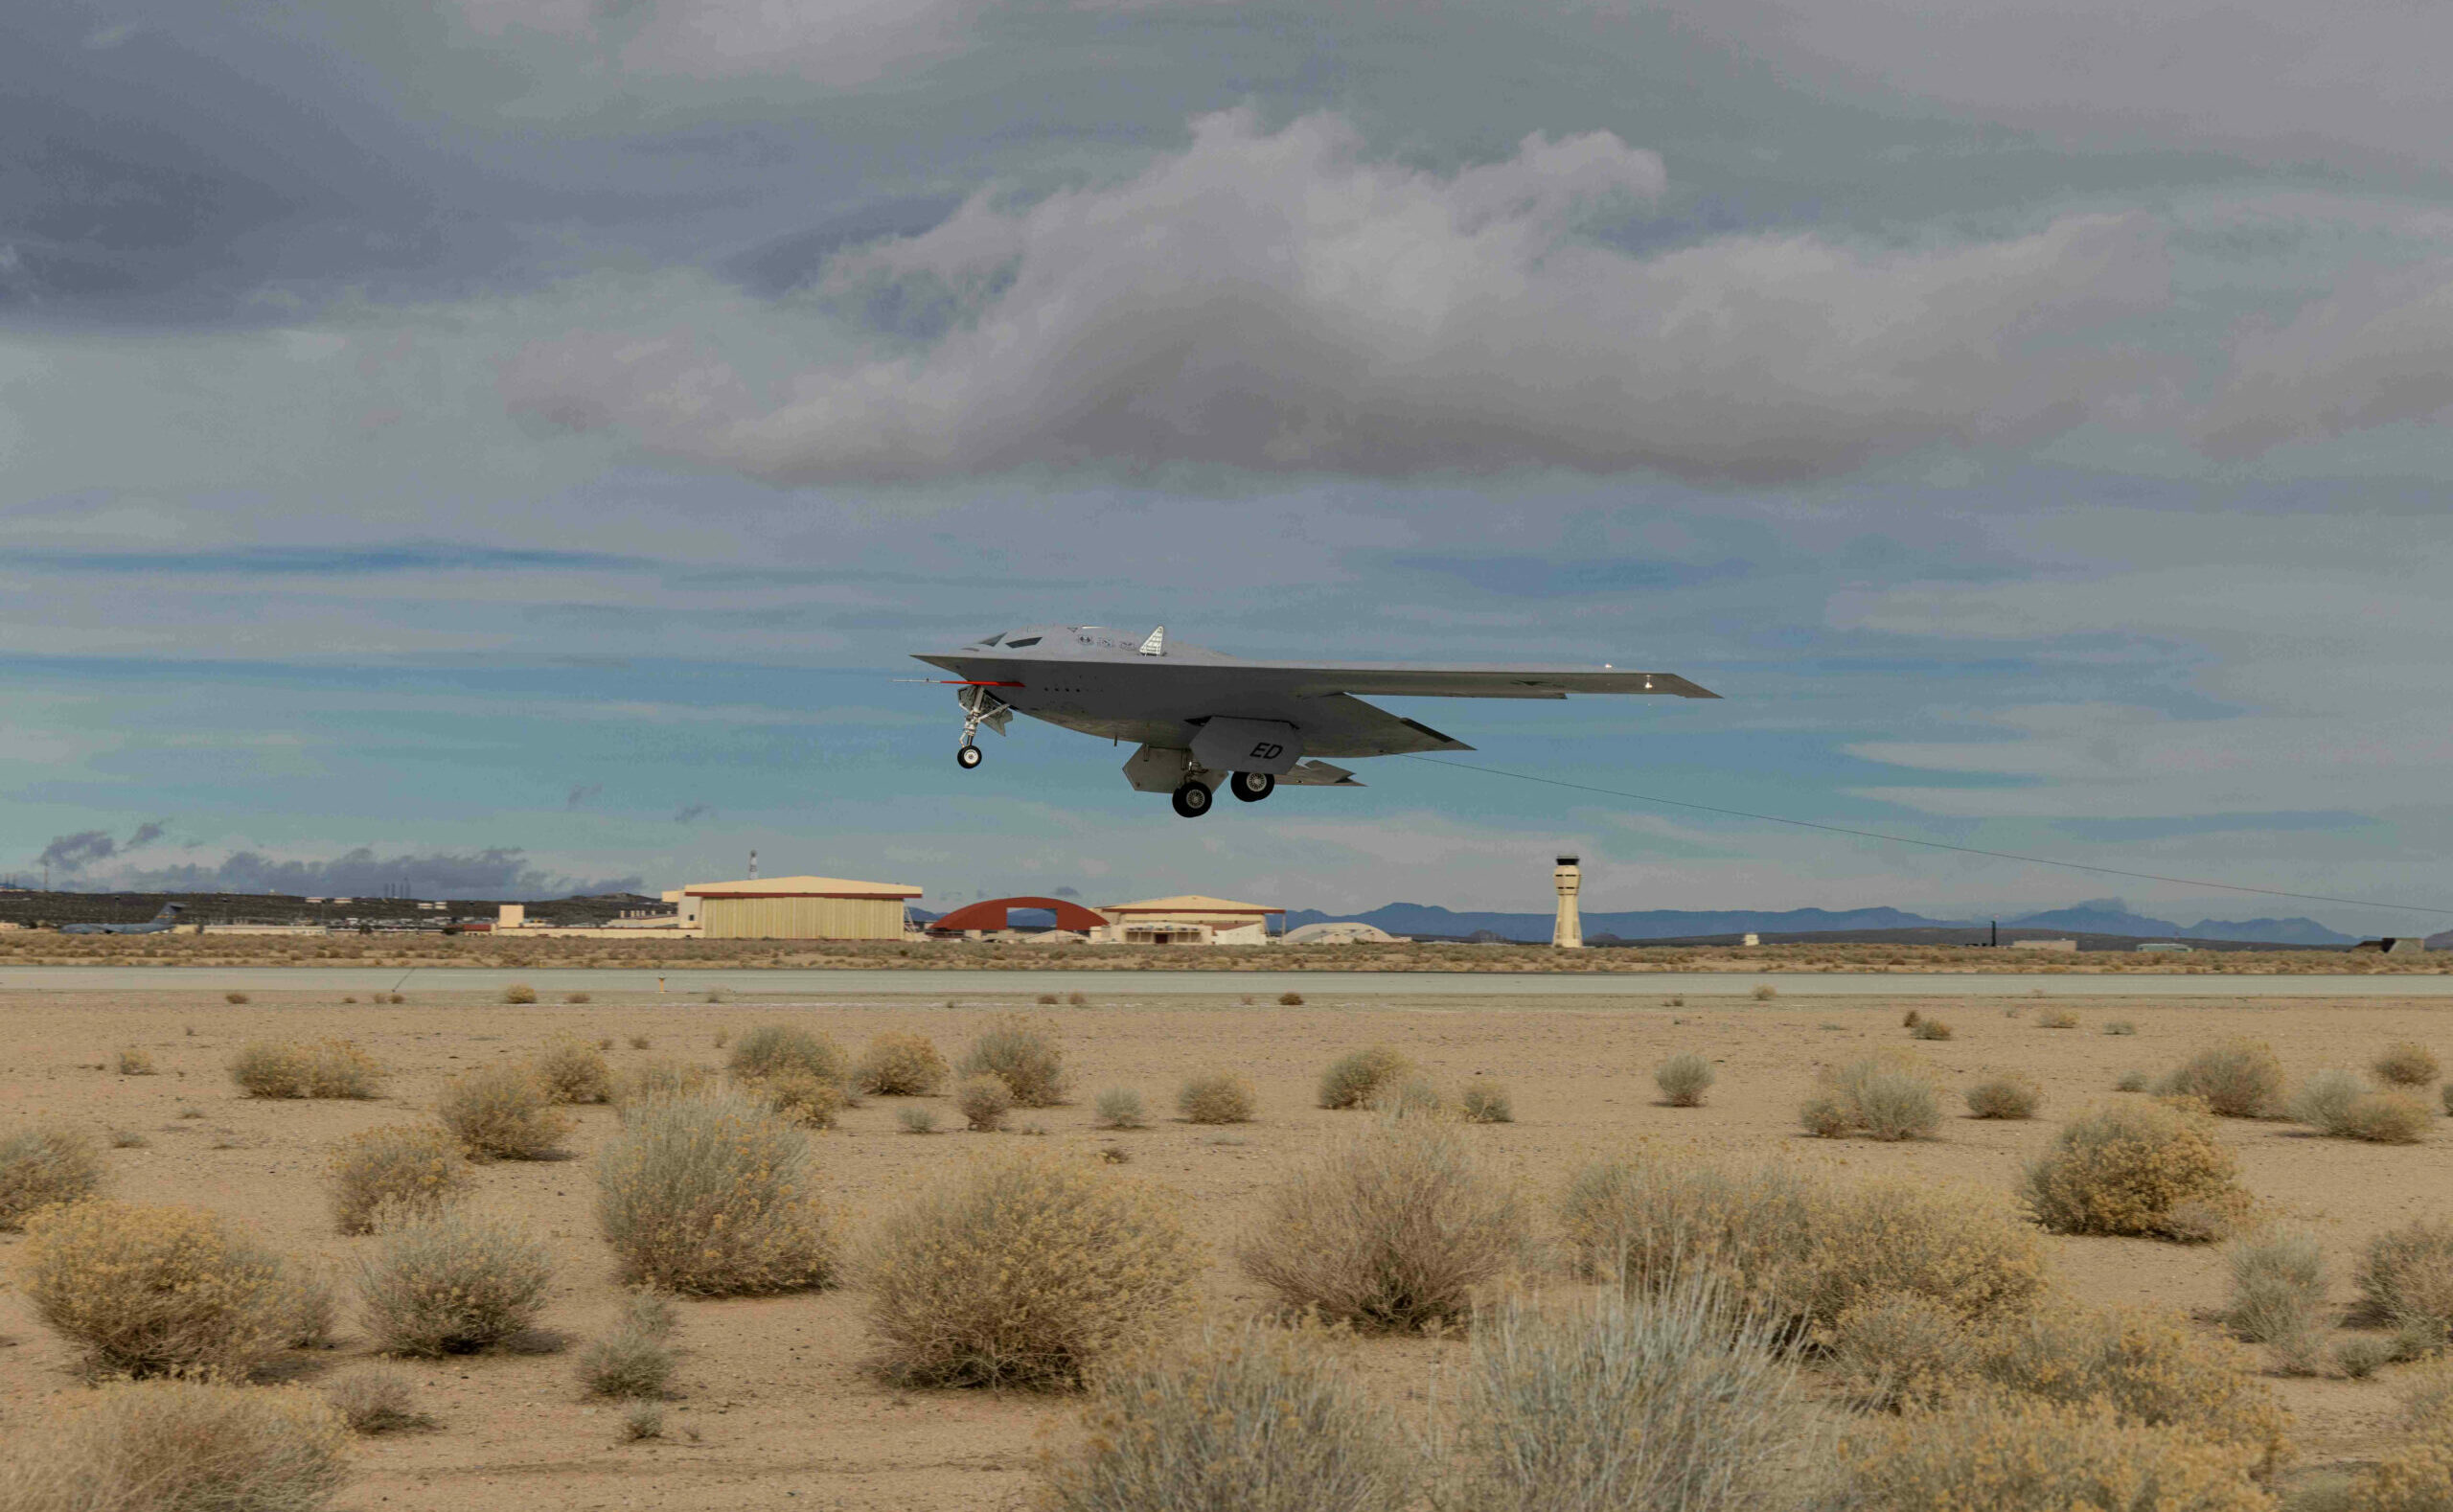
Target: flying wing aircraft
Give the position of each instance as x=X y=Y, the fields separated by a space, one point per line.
x=1202 y=719
x=159 y=923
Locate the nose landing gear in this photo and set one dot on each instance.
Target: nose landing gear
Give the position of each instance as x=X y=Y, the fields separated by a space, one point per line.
x=1252 y=786
x=968 y=756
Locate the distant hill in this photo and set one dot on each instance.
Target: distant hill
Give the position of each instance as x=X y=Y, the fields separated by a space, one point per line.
x=2112 y=916
x=2108 y=916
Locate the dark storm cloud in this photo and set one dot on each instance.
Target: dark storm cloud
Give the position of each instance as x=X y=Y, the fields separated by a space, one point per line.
x=75 y=852
x=496 y=872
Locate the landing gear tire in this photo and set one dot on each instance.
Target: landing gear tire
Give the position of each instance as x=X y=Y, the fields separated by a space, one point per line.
x=968 y=756
x=1252 y=786
x=1192 y=800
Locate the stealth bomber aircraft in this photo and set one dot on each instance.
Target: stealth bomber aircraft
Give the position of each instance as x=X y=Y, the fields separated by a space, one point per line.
x=1202 y=719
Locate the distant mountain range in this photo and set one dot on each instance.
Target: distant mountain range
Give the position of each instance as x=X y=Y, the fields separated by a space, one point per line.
x=2103 y=916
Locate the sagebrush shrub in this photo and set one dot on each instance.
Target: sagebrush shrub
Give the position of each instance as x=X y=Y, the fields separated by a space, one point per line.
x=1254 y=1418
x=398 y=1170
x=1483 y=1101
x=629 y=1362
x=453 y=1283
x=1930 y=1029
x=1414 y=1097
x=917 y=1120
x=2408 y=1063
x=1358 y=1076
x=43 y=1165
x=774 y=1049
x=2132 y=1081
x=1027 y=1269
x=2010 y=1454
x=2152 y=1168
x=801 y=1097
x=502 y=1112
x=2277 y=1288
x=1121 y=1108
x=520 y=993
x=377 y=1400
x=715 y=1196
x=286 y=1069
x=2236 y=1078
x=573 y=1071
x=1023 y=1056
x=1220 y=1098
x=984 y=1102
x=1683 y=1079
x=1289 y=999
x=2056 y=1018
x=1396 y=1229
x=1642 y=1403
x=2406 y=1277
x=660 y=1080
x=2119 y=1026
x=2415 y=1475
x=2149 y=1367
x=2384 y=1118
x=181 y=1446
x=1897 y=1350
x=2003 y=1097
x=131 y=1061
x=2324 y=1100
x=160 y=1291
x=897 y=1065
x=1887 y=1097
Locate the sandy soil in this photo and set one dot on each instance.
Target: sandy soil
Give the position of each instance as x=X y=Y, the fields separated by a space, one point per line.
x=776 y=1412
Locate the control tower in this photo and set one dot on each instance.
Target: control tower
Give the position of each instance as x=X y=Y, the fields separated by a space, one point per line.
x=1568 y=934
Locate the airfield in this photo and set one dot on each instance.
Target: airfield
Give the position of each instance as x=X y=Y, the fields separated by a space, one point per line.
x=774 y=1407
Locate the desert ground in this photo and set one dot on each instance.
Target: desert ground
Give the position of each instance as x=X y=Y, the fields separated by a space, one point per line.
x=775 y=1408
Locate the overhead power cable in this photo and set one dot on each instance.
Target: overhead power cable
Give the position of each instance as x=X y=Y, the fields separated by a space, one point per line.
x=1931 y=845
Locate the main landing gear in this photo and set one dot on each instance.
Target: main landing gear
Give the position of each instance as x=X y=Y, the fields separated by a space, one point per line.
x=1192 y=800
x=1251 y=786
x=968 y=756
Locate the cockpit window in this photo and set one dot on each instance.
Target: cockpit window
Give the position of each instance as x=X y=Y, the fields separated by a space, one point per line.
x=1017 y=645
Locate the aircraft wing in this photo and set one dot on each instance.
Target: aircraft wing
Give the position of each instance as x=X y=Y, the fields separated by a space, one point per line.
x=1314 y=678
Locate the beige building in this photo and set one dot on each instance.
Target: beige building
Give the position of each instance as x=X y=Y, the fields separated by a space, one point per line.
x=1191 y=919
x=797 y=909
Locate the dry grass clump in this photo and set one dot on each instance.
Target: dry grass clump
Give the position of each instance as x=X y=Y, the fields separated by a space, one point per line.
x=1221 y=1098
x=233 y=1000
x=1026 y=1269
x=520 y=993
x=2056 y=1018
x=1289 y=999
x=1414 y=1097
x=574 y=1073
x=715 y=1196
x=2236 y=1078
x=774 y=1049
x=398 y=1170
x=2156 y=1169
x=1483 y=1101
x=2338 y=1103
x=2408 y=1063
x=1023 y=1056
x=917 y=1120
x=181 y=1446
x=2279 y=1295
x=2416 y=1475
x=133 y=1062
x=1800 y=1252
x=2119 y=1027
x=1121 y=1108
x=288 y=1068
x=1930 y=1029
x=643 y=1420
x=1765 y=992
x=657 y=1081
x=160 y=1291
x=374 y=1401
x=2023 y=1455
x=1683 y=1079
x=2150 y=1367
x=502 y=1112
x=1663 y=1402
x=2003 y=1097
x=43 y=1165
x=984 y=1102
x=900 y=1066
x=801 y=1097
x=1258 y=1419
x=2132 y=1081
x=1885 y=1097
x=1896 y=1350
x=635 y=1360
x=1358 y=1076
x=1394 y=1229
x=2406 y=1277
x=453 y=1283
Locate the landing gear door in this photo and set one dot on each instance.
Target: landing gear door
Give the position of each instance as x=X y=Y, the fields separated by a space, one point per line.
x=1157 y=769
x=1260 y=746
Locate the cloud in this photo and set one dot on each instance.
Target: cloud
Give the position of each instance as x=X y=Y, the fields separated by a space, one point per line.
x=1277 y=301
x=582 y=794
x=495 y=872
x=75 y=852
x=691 y=814
x=2377 y=351
x=837 y=42
x=145 y=834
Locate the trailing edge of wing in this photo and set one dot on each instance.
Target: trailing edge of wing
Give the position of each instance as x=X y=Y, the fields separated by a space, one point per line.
x=1476 y=682
x=1318 y=774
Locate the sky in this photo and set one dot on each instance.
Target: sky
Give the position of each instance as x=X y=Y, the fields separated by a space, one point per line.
x=491 y=447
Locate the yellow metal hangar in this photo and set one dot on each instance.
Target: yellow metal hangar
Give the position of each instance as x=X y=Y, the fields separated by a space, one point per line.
x=798 y=909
